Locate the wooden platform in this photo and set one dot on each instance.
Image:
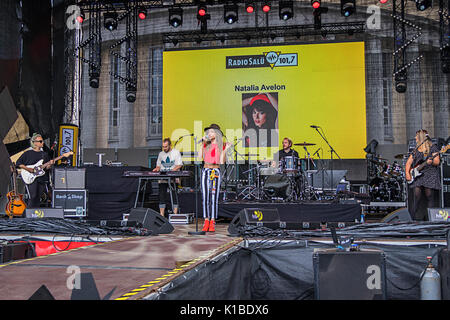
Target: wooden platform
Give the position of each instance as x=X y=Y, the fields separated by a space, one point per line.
x=130 y=267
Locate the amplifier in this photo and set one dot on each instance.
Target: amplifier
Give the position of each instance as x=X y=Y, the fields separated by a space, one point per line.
x=349 y=275
x=73 y=202
x=445 y=180
x=70 y=178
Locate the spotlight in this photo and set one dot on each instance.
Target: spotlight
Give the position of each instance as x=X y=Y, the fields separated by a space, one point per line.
x=94 y=80
x=400 y=82
x=110 y=21
x=286 y=10
x=422 y=5
x=383 y=1
x=175 y=17
x=347 y=7
x=315 y=4
x=266 y=7
x=142 y=14
x=131 y=95
x=80 y=18
x=318 y=17
x=201 y=11
x=230 y=14
x=249 y=7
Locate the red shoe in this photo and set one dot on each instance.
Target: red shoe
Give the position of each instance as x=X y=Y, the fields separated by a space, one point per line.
x=206 y=225
x=212 y=226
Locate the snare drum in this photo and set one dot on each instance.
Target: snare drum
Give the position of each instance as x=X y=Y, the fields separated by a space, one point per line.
x=291 y=165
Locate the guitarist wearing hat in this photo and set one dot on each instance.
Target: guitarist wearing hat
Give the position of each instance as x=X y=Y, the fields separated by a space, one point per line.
x=30 y=157
x=426 y=155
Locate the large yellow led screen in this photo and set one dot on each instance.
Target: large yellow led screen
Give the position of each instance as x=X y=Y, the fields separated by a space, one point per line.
x=259 y=95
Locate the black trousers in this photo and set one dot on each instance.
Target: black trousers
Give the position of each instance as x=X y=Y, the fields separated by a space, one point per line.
x=163 y=195
x=35 y=189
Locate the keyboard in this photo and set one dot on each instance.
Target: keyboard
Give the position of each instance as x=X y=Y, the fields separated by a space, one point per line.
x=166 y=174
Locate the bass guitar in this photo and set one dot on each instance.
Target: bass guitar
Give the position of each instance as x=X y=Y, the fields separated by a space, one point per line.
x=15 y=206
x=39 y=168
x=416 y=171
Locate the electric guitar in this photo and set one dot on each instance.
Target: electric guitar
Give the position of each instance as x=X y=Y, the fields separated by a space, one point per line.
x=15 y=206
x=416 y=171
x=39 y=168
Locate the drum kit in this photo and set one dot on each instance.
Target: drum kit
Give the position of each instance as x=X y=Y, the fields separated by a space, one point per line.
x=387 y=181
x=286 y=183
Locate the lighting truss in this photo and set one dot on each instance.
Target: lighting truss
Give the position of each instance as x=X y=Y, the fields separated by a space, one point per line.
x=401 y=43
x=264 y=32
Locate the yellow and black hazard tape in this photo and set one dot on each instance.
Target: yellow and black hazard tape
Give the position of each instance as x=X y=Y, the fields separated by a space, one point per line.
x=61 y=252
x=171 y=274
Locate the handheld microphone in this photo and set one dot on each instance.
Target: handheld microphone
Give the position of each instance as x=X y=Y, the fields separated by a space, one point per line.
x=315 y=127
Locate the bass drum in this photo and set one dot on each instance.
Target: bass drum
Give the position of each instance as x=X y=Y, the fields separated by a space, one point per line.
x=278 y=186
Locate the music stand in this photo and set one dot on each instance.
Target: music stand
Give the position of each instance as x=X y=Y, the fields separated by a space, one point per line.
x=196 y=232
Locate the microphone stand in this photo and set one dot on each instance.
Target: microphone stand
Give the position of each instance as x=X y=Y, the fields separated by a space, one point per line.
x=196 y=232
x=331 y=152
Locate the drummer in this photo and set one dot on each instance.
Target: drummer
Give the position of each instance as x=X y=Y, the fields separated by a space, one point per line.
x=287 y=151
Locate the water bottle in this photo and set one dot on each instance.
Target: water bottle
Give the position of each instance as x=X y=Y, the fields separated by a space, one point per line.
x=430 y=285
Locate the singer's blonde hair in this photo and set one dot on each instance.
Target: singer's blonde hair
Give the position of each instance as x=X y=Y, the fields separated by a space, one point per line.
x=422 y=136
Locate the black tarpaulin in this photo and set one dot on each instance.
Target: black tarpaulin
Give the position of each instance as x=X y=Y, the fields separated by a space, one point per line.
x=283 y=270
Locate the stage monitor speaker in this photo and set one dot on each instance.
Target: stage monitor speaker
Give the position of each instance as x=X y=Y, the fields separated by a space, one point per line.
x=151 y=220
x=399 y=215
x=438 y=214
x=44 y=213
x=253 y=216
x=349 y=275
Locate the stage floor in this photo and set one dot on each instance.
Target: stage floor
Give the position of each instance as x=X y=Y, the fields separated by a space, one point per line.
x=130 y=267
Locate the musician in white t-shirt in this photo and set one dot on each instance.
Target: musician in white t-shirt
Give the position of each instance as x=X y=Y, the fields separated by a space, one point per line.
x=169 y=159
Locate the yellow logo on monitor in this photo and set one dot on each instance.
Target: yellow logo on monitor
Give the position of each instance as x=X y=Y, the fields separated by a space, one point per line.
x=39 y=213
x=443 y=214
x=258 y=214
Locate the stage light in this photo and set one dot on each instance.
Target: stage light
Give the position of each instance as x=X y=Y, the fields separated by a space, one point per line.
x=249 y=7
x=201 y=11
x=142 y=14
x=266 y=7
x=286 y=10
x=94 y=80
x=383 y=1
x=131 y=96
x=400 y=82
x=175 y=17
x=230 y=13
x=347 y=7
x=80 y=18
x=422 y=5
x=318 y=17
x=315 y=4
x=110 y=21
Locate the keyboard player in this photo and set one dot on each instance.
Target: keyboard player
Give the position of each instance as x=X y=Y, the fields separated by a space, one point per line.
x=169 y=159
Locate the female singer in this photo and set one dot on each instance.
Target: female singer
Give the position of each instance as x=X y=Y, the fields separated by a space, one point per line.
x=213 y=154
x=429 y=181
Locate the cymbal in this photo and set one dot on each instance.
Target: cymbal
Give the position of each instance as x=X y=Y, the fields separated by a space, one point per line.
x=399 y=156
x=304 y=144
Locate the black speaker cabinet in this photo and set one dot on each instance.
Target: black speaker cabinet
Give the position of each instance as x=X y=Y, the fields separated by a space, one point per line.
x=444 y=272
x=254 y=216
x=399 y=215
x=349 y=275
x=151 y=220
